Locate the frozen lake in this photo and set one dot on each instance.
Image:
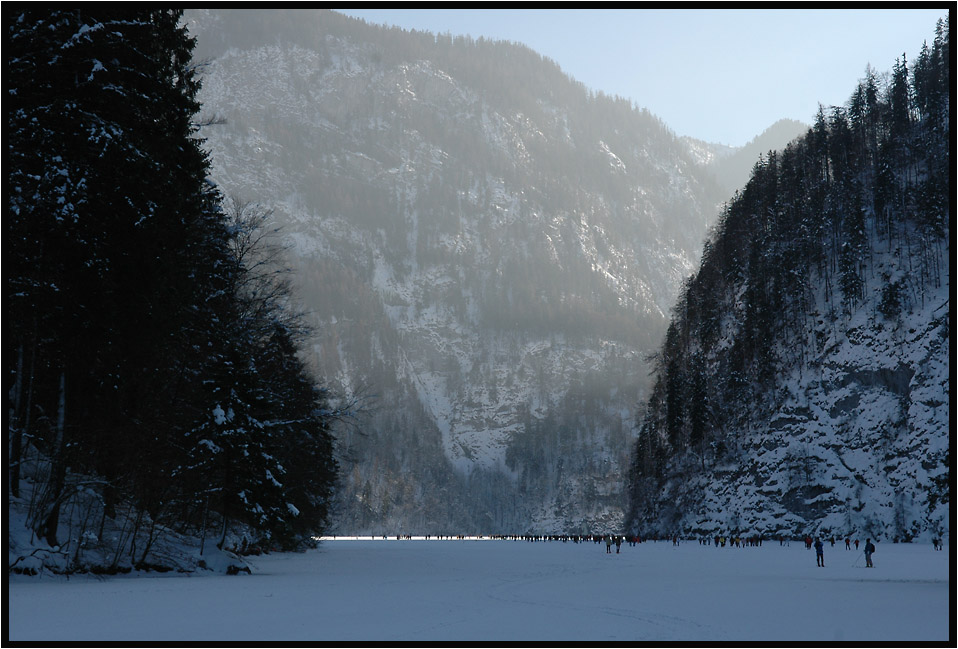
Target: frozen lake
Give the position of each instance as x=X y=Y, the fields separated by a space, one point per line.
x=416 y=590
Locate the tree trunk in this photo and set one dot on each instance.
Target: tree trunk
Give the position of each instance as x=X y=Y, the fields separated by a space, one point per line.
x=206 y=510
x=48 y=529
x=15 y=428
x=20 y=420
x=226 y=499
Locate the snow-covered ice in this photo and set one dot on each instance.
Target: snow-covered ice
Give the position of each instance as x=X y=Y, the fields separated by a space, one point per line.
x=485 y=590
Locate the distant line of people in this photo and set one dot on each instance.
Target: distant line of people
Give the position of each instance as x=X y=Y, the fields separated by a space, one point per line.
x=719 y=540
x=733 y=541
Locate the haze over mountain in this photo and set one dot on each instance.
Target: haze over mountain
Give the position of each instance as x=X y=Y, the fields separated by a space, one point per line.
x=486 y=246
x=733 y=166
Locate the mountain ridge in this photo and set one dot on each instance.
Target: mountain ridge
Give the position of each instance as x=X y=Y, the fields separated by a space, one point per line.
x=482 y=256
x=733 y=165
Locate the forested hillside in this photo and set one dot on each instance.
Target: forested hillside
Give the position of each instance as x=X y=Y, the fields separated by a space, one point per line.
x=487 y=250
x=154 y=388
x=804 y=382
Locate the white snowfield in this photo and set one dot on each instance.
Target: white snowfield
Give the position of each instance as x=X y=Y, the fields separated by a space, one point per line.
x=470 y=590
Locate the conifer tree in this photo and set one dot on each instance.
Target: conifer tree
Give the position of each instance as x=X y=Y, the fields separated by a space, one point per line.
x=133 y=337
x=111 y=208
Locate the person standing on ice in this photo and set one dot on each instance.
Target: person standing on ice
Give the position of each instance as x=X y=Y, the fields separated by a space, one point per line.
x=819 y=553
x=608 y=544
x=869 y=548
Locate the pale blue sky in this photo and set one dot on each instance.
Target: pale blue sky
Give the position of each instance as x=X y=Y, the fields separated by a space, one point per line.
x=721 y=75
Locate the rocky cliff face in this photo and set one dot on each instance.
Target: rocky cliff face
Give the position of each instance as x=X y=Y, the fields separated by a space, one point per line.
x=854 y=438
x=486 y=249
x=804 y=384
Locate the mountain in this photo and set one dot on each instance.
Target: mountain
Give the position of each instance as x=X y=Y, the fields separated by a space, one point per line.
x=487 y=251
x=732 y=166
x=804 y=383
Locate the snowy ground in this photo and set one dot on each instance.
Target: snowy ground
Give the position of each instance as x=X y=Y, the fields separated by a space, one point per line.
x=484 y=590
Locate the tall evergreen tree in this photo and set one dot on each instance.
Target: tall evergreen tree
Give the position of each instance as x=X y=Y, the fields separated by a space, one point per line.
x=111 y=208
x=124 y=294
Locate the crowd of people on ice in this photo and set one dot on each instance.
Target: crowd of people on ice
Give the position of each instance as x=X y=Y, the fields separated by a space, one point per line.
x=719 y=540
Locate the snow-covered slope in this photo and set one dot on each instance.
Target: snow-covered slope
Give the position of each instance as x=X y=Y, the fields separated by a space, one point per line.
x=485 y=249
x=855 y=437
x=804 y=383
